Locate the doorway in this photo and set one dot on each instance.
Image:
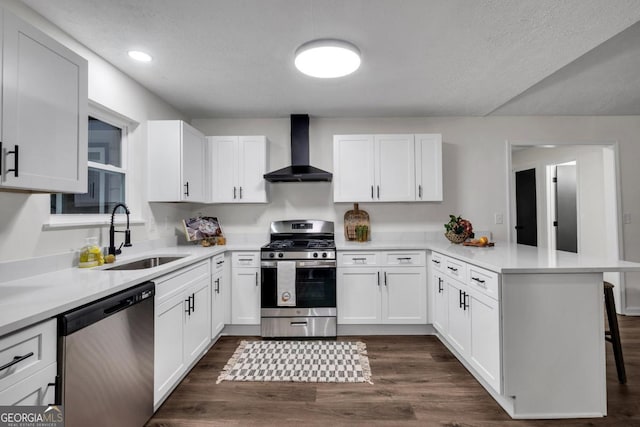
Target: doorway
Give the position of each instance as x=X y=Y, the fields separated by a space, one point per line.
x=526 y=208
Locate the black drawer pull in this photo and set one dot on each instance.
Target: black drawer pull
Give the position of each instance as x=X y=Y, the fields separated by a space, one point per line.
x=477 y=279
x=440 y=288
x=452 y=268
x=435 y=261
x=16 y=360
x=15 y=161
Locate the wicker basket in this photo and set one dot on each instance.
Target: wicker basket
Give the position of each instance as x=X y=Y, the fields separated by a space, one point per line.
x=456 y=238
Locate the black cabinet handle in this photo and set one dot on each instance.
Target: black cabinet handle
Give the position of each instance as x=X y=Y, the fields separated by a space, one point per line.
x=256 y=278
x=217 y=286
x=460 y=303
x=385 y=278
x=378 y=279
x=420 y=191
x=440 y=288
x=186 y=186
x=477 y=279
x=234 y=193
x=372 y=191
x=378 y=191
x=16 y=360
x=15 y=163
x=435 y=261
x=465 y=299
x=451 y=268
x=219 y=262
x=188 y=309
x=241 y=192
x=193 y=303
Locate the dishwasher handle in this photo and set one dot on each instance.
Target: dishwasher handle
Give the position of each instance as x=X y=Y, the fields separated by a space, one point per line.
x=93 y=312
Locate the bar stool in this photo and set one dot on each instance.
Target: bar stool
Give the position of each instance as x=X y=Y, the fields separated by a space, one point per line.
x=613 y=334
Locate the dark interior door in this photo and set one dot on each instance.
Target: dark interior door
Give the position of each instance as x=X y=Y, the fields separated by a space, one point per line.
x=526 y=216
x=566 y=209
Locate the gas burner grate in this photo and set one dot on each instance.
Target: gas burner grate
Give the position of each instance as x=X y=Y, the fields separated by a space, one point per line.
x=281 y=244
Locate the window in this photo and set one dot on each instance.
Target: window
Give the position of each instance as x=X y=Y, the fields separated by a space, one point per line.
x=107 y=170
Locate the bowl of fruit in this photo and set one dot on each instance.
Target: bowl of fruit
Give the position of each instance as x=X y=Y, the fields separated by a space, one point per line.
x=458 y=229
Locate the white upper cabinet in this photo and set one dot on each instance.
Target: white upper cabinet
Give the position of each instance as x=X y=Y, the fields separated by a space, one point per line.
x=236 y=167
x=176 y=162
x=44 y=112
x=395 y=168
x=353 y=168
x=428 y=167
x=387 y=168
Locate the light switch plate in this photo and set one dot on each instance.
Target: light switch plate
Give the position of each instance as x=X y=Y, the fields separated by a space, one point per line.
x=498 y=218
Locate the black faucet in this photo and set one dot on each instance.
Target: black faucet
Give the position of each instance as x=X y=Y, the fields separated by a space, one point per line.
x=112 y=231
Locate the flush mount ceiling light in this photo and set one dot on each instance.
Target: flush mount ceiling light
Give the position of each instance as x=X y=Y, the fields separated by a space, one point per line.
x=140 y=56
x=327 y=58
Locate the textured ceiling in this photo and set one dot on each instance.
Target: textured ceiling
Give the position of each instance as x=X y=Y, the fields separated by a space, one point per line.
x=234 y=58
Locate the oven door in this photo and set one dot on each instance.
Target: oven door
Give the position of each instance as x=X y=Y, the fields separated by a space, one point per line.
x=315 y=284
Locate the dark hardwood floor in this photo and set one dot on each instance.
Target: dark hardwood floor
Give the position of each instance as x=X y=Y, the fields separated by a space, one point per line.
x=417 y=381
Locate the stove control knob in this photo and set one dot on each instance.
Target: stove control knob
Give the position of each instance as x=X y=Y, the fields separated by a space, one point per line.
x=324 y=254
x=315 y=254
x=286 y=296
x=280 y=255
x=272 y=255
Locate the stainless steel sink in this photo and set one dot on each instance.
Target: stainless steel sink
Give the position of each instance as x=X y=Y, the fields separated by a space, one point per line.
x=144 y=263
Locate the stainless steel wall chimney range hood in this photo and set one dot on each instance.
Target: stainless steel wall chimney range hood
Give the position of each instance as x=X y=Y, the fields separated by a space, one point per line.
x=299 y=171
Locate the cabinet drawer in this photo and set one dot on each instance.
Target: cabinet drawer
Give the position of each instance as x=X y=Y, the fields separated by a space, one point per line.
x=245 y=259
x=455 y=269
x=36 y=390
x=484 y=280
x=437 y=261
x=217 y=263
x=173 y=283
x=404 y=258
x=31 y=349
x=357 y=259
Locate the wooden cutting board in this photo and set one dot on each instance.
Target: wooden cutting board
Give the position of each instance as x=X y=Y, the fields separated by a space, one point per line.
x=478 y=245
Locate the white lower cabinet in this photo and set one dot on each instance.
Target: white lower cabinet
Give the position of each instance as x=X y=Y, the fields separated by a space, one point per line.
x=245 y=288
x=29 y=360
x=182 y=324
x=219 y=290
x=466 y=313
x=381 y=288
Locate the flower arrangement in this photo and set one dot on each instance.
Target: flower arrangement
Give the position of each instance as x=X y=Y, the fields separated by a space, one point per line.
x=458 y=229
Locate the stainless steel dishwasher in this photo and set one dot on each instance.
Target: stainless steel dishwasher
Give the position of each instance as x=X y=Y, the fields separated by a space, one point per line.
x=106 y=354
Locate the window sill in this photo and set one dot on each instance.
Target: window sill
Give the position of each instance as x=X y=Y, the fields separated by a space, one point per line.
x=87 y=221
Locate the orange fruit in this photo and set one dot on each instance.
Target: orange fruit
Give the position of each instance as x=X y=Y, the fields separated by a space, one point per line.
x=483 y=240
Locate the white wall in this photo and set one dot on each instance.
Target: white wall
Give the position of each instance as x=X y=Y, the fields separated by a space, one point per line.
x=22 y=215
x=475 y=176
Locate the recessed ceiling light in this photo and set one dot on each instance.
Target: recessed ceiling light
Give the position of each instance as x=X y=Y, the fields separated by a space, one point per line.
x=327 y=58
x=140 y=56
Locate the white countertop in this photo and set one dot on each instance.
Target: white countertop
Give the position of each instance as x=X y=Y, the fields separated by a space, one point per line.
x=31 y=299
x=28 y=300
x=504 y=258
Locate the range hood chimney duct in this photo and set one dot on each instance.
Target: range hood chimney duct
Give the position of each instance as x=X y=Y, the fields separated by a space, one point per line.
x=300 y=170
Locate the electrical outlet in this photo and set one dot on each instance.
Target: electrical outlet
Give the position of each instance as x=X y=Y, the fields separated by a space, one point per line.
x=498 y=218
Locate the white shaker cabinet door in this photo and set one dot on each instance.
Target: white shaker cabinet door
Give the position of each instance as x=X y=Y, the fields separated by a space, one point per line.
x=428 y=167
x=169 y=361
x=354 y=168
x=44 y=112
x=440 y=303
x=404 y=295
x=197 y=320
x=251 y=169
x=193 y=160
x=484 y=348
x=359 y=296
x=245 y=296
x=459 y=331
x=395 y=171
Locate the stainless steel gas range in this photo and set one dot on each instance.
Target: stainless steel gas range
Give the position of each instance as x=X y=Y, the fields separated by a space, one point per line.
x=298 y=267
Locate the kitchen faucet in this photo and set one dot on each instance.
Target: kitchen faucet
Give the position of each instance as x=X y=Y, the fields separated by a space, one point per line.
x=112 y=231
